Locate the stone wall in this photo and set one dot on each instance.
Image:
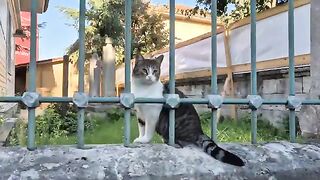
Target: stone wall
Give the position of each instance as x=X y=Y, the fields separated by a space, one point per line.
x=272 y=84
x=271 y=161
x=7 y=60
x=310 y=115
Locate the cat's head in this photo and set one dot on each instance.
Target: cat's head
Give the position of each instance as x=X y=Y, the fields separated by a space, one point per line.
x=147 y=71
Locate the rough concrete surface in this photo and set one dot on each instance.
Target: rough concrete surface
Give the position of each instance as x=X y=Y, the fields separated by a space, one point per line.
x=278 y=160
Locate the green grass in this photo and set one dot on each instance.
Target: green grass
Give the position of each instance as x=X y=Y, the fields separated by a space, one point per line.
x=231 y=130
x=106 y=132
x=240 y=130
x=111 y=132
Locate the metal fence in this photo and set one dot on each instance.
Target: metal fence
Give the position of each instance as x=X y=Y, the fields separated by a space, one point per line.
x=32 y=99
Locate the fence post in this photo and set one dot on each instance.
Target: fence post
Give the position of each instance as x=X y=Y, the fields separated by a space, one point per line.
x=172 y=70
x=253 y=46
x=80 y=122
x=214 y=78
x=292 y=113
x=32 y=76
x=127 y=90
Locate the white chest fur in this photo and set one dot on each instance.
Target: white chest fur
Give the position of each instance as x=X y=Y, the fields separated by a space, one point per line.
x=148 y=112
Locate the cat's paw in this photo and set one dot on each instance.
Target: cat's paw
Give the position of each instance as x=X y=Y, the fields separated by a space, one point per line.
x=137 y=140
x=143 y=140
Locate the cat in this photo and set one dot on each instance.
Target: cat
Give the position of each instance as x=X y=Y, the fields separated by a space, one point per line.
x=155 y=117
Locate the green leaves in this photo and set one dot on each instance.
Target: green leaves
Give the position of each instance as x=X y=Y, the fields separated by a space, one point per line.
x=60 y=120
x=72 y=14
x=242 y=9
x=106 y=18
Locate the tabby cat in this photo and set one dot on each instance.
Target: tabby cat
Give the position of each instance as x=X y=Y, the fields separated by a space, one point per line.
x=155 y=117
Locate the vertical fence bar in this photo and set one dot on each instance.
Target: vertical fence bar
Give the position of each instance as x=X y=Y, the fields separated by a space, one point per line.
x=172 y=70
x=253 y=69
x=292 y=115
x=80 y=122
x=214 y=83
x=32 y=75
x=128 y=13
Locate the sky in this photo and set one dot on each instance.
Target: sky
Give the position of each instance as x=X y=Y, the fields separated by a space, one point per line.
x=57 y=35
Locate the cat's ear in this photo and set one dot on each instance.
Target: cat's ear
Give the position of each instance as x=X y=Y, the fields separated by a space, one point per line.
x=139 y=57
x=159 y=59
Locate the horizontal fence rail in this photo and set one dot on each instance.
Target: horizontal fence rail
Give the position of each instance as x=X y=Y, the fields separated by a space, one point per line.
x=32 y=99
x=225 y=101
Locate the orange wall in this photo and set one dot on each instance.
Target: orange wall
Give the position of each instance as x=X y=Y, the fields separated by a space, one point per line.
x=185 y=30
x=50 y=78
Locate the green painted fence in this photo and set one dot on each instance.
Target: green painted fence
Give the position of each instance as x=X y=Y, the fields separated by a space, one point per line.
x=32 y=99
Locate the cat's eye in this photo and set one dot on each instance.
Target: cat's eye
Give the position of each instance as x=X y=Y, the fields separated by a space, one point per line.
x=155 y=71
x=145 y=71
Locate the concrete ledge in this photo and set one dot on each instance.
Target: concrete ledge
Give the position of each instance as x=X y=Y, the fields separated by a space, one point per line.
x=8 y=110
x=279 y=160
x=6 y=128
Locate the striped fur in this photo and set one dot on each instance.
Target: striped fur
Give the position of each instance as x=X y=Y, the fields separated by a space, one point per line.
x=188 y=131
x=145 y=83
x=211 y=148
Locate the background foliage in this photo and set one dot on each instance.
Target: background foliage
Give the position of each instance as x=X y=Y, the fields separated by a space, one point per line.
x=241 y=9
x=60 y=119
x=106 y=18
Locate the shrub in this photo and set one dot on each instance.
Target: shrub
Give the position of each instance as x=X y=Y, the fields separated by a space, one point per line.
x=59 y=120
x=115 y=114
x=18 y=134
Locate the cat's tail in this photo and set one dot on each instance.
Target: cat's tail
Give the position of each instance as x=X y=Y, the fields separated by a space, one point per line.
x=211 y=148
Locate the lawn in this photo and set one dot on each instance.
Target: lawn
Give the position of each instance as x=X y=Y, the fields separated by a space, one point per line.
x=231 y=130
x=106 y=132
x=111 y=132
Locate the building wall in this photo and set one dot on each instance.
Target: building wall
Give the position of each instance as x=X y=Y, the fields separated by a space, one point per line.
x=50 y=79
x=7 y=47
x=271 y=85
x=185 y=30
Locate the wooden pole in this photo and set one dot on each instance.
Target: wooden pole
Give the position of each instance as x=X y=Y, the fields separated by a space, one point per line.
x=229 y=79
x=65 y=79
